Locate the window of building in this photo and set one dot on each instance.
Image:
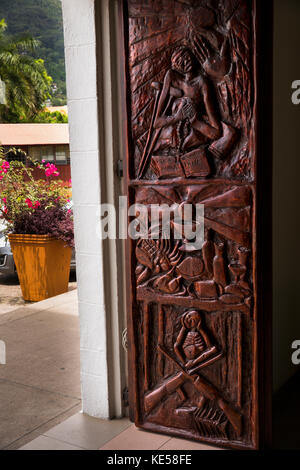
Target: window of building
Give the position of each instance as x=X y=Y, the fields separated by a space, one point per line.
x=62 y=154
x=47 y=153
x=42 y=152
x=34 y=153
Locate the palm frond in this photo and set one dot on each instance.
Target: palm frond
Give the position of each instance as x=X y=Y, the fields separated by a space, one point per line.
x=25 y=77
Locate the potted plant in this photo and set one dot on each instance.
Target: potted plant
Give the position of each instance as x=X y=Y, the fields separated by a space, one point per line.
x=39 y=226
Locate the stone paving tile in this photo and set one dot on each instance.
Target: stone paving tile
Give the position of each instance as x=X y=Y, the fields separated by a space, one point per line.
x=40 y=430
x=47 y=443
x=22 y=409
x=42 y=351
x=184 y=444
x=16 y=314
x=86 y=432
x=136 y=439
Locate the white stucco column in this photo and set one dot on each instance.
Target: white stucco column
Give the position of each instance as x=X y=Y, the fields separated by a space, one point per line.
x=91 y=106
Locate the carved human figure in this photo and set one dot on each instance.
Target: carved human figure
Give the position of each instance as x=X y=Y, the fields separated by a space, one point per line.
x=185 y=114
x=193 y=344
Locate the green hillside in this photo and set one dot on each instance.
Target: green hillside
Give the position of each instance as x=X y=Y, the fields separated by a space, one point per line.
x=42 y=19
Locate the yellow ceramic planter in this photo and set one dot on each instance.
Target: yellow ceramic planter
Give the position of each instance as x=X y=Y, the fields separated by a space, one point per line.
x=43 y=265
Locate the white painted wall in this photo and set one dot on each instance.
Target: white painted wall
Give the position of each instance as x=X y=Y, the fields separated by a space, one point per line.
x=101 y=354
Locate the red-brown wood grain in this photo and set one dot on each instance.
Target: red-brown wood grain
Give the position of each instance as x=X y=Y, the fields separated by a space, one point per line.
x=199 y=322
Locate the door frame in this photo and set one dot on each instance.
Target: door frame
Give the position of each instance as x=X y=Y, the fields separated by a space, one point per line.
x=263 y=70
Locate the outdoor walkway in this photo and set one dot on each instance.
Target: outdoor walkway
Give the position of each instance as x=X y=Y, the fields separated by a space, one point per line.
x=11 y=295
x=40 y=383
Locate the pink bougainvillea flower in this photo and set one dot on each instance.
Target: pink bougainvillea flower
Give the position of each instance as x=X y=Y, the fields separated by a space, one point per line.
x=29 y=202
x=5 y=167
x=43 y=161
x=51 y=170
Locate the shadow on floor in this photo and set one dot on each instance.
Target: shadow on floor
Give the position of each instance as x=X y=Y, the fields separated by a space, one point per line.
x=9 y=280
x=286 y=416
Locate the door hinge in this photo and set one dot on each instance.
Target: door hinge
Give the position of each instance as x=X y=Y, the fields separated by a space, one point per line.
x=125 y=339
x=119 y=168
x=125 y=397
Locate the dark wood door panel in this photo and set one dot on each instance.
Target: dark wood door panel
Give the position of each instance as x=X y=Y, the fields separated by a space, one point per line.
x=191 y=84
x=198 y=124
x=209 y=400
x=193 y=318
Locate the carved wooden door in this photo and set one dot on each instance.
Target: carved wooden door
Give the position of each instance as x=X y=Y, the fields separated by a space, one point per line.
x=192 y=138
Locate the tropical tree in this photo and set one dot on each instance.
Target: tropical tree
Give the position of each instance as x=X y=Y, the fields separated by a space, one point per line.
x=24 y=79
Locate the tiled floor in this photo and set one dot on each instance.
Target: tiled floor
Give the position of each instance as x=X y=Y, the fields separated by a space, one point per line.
x=81 y=432
x=84 y=433
x=136 y=439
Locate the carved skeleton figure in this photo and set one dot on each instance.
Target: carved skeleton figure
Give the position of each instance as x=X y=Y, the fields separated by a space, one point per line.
x=193 y=344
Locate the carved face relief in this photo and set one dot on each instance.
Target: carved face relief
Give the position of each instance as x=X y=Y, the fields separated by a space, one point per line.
x=182 y=61
x=192 y=319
